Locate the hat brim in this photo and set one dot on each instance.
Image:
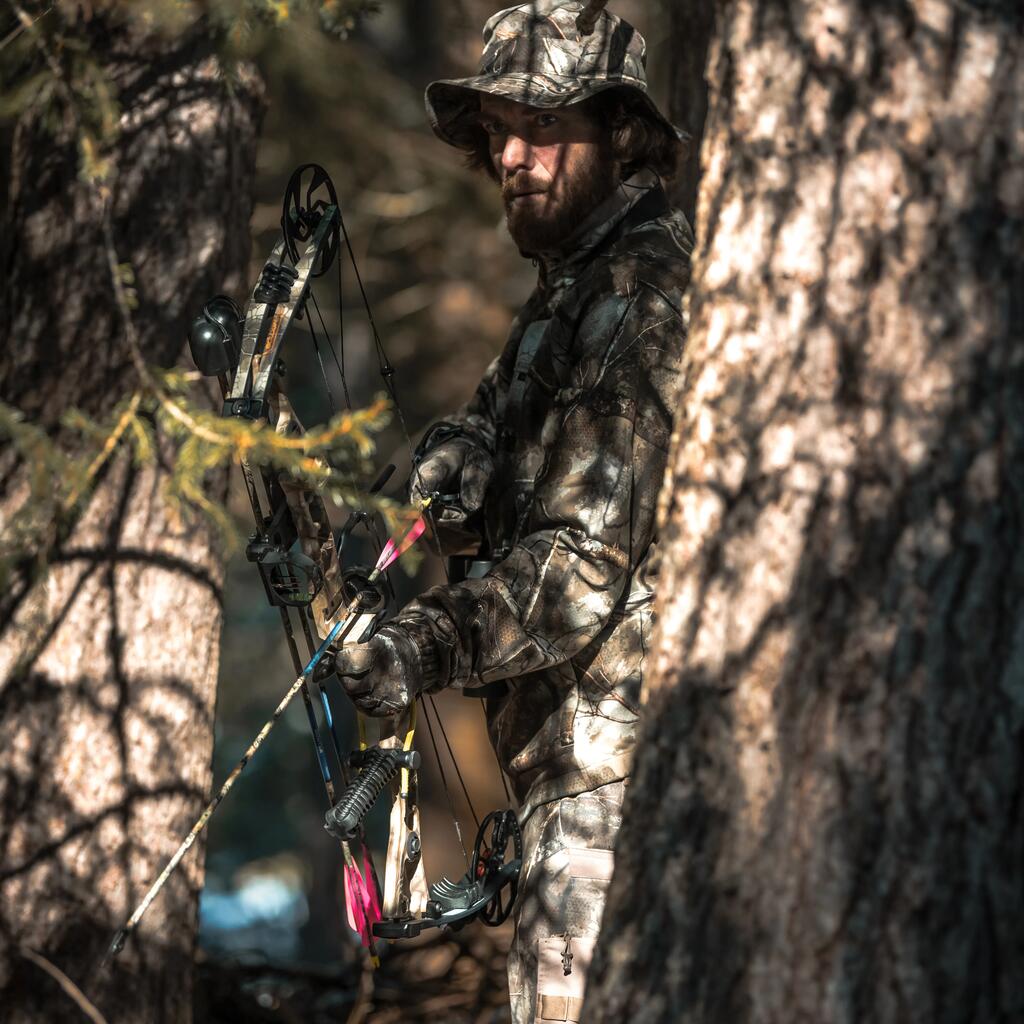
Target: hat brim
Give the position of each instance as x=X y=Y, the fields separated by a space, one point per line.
x=452 y=103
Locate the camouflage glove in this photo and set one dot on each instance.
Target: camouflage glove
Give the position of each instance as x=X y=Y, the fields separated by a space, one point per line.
x=455 y=475
x=384 y=675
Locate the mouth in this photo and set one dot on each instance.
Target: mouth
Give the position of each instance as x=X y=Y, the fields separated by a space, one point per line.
x=523 y=195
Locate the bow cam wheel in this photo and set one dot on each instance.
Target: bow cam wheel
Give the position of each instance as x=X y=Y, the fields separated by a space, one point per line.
x=309 y=193
x=498 y=841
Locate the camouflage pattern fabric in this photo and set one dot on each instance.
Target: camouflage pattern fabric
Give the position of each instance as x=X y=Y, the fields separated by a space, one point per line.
x=534 y=53
x=568 y=864
x=578 y=434
x=383 y=676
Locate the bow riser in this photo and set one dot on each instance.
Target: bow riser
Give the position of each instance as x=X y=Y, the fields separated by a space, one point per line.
x=270 y=313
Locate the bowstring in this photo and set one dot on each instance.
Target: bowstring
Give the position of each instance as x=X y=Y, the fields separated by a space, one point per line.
x=302 y=612
x=447 y=791
x=339 y=364
x=451 y=755
x=336 y=356
x=341 y=331
x=386 y=371
x=428 y=512
x=387 y=374
x=437 y=756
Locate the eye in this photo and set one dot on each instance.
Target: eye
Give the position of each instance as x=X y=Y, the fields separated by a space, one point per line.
x=493 y=126
x=546 y=120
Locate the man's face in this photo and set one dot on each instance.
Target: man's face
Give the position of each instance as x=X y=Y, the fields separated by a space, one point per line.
x=553 y=165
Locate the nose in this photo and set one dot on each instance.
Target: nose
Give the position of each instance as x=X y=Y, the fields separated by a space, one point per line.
x=517 y=154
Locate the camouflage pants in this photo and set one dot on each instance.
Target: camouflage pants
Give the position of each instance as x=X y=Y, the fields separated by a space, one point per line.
x=567 y=851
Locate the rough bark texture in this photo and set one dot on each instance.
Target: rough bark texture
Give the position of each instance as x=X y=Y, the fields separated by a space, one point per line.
x=827 y=821
x=109 y=662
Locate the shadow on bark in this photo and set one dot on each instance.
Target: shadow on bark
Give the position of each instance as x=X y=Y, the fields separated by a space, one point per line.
x=826 y=819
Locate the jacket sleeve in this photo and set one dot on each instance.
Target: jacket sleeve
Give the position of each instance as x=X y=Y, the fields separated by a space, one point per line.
x=593 y=510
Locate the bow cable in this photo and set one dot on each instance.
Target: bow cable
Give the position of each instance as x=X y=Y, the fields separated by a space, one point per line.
x=387 y=373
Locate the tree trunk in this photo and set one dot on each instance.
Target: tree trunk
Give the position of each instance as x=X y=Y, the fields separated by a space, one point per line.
x=109 y=660
x=826 y=821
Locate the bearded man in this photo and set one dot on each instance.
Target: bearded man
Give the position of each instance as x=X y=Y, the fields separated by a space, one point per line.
x=557 y=461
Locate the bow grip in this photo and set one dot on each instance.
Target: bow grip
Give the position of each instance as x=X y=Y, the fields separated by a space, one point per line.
x=379 y=766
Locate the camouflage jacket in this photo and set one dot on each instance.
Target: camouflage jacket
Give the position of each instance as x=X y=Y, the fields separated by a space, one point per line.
x=576 y=414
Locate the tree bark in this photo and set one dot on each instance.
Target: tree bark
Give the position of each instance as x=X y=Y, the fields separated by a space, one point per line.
x=108 y=660
x=826 y=821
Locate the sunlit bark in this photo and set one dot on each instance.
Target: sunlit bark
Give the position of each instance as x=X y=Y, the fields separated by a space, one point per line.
x=109 y=659
x=826 y=821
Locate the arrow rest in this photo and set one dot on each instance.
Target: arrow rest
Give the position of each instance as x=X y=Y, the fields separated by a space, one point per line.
x=374 y=595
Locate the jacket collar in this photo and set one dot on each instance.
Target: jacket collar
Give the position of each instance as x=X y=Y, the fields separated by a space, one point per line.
x=601 y=227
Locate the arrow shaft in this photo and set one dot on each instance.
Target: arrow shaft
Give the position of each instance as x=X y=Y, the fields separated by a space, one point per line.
x=118 y=944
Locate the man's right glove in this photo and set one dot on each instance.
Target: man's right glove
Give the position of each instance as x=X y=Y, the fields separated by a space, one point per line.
x=455 y=473
x=385 y=675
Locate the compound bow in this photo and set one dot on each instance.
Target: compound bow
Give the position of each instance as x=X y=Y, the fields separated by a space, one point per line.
x=300 y=563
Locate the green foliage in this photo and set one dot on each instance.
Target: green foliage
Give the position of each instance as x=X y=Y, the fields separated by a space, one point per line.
x=331 y=459
x=49 y=473
x=51 y=67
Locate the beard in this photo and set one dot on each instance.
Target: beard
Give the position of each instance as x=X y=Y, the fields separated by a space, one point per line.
x=543 y=222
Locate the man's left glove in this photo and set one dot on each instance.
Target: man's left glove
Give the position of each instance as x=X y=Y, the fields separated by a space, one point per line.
x=384 y=675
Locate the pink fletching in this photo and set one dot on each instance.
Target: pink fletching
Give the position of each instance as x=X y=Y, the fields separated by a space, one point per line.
x=354 y=903
x=385 y=556
x=362 y=907
x=392 y=551
x=373 y=911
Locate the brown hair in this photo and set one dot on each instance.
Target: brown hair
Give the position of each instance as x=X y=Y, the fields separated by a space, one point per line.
x=636 y=138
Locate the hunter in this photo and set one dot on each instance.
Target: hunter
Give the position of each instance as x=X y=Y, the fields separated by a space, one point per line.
x=556 y=462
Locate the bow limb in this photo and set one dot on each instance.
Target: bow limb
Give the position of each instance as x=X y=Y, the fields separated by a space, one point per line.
x=316 y=540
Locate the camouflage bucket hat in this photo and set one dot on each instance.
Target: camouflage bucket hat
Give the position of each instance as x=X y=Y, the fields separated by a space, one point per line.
x=534 y=53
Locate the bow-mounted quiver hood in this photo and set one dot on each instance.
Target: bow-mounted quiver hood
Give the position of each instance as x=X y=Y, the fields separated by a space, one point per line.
x=215 y=337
